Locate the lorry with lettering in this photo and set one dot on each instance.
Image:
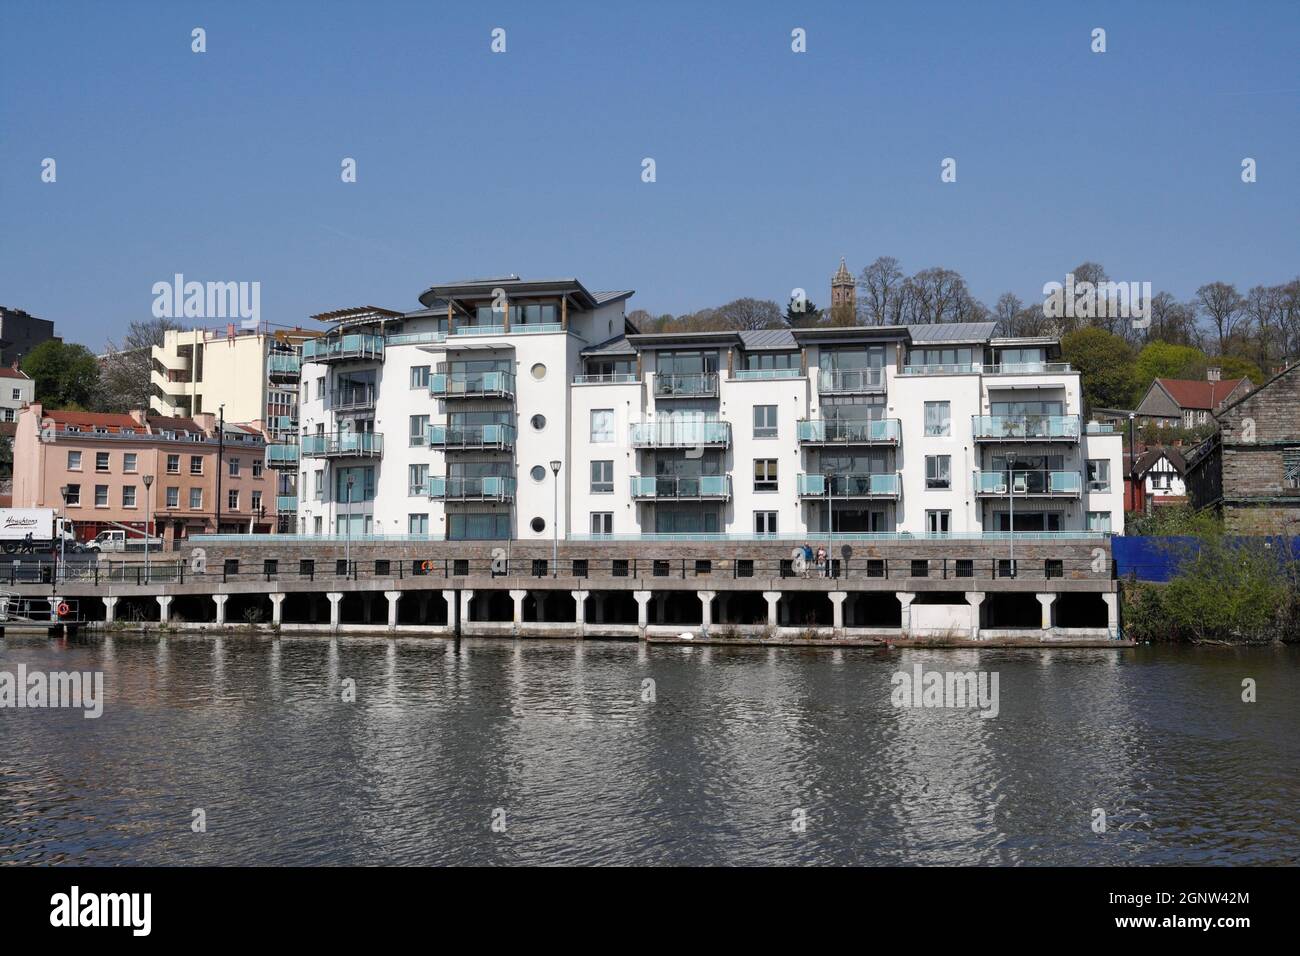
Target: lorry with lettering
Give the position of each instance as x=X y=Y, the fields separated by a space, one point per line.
x=32 y=530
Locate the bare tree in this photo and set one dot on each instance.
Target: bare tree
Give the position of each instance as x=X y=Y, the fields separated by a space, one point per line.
x=750 y=314
x=881 y=286
x=124 y=371
x=1009 y=306
x=1222 y=304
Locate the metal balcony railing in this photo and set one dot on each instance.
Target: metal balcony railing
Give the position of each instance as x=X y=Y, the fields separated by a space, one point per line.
x=678 y=487
x=1028 y=368
x=357 y=346
x=284 y=364
x=819 y=431
x=472 y=385
x=674 y=433
x=1026 y=427
x=848 y=381
x=282 y=456
x=343 y=445
x=472 y=436
x=697 y=385
x=1028 y=482
x=286 y=503
x=356 y=398
x=488 y=488
x=878 y=485
x=766 y=374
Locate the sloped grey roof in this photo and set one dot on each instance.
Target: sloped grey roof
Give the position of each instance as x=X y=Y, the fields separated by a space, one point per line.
x=605 y=297
x=952 y=332
x=618 y=345
x=770 y=339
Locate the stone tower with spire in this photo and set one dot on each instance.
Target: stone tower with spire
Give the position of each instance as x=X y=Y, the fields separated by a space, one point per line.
x=844 y=296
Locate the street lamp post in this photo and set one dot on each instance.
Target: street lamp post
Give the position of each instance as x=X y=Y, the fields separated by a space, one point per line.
x=148 y=520
x=555 y=522
x=347 y=542
x=830 y=520
x=63 y=493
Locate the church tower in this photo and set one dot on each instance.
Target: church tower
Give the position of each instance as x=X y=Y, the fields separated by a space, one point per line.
x=844 y=296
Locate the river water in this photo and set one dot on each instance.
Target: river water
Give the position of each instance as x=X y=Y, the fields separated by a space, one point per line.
x=609 y=752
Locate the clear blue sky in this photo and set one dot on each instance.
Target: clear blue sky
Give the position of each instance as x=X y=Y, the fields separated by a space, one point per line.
x=771 y=165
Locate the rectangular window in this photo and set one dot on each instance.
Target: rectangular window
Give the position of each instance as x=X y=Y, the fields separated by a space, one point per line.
x=173 y=496
x=196 y=499
x=74 y=461
x=1290 y=468
x=938 y=419
x=420 y=376
x=764 y=522
x=965 y=568
x=318 y=484
x=602 y=477
x=128 y=496
x=602 y=522
x=579 y=567
x=417 y=523
x=920 y=568
x=101 y=496
x=1098 y=520
x=255 y=501
x=74 y=496
x=765 y=474
x=417 y=479
x=619 y=568
x=101 y=461
x=938 y=471
x=257 y=467
x=602 y=426
x=320 y=389
x=196 y=464
x=1098 y=474
x=173 y=464
x=234 y=467
x=1053 y=568
x=419 y=430
x=270 y=567
x=938 y=522
x=765 y=421
x=129 y=462
x=232 y=499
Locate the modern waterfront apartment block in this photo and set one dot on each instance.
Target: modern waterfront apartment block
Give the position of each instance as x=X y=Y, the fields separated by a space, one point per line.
x=512 y=409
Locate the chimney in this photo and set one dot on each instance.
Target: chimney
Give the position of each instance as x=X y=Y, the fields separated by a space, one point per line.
x=138 y=416
x=1213 y=373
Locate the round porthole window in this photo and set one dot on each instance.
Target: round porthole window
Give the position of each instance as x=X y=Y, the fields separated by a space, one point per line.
x=539 y=525
x=538 y=473
x=539 y=371
x=538 y=422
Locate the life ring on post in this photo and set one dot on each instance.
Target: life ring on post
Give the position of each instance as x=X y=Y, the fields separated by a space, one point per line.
x=63 y=609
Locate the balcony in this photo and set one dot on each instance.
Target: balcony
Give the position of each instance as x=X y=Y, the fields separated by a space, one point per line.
x=1028 y=428
x=357 y=398
x=819 y=431
x=282 y=456
x=686 y=488
x=488 y=488
x=616 y=378
x=343 y=445
x=886 y=486
x=286 y=503
x=472 y=437
x=1028 y=368
x=283 y=366
x=765 y=374
x=472 y=385
x=700 y=385
x=355 y=347
x=851 y=381
x=1030 y=484
x=961 y=368
x=674 y=433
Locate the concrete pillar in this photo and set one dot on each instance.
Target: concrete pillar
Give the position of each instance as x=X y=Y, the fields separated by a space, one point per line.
x=518 y=598
x=772 y=597
x=580 y=601
x=164 y=607
x=706 y=609
x=466 y=596
x=277 y=608
x=642 y=608
x=450 y=598
x=220 y=601
x=1047 y=600
x=393 y=598
x=1112 y=613
x=905 y=599
x=837 y=608
x=975 y=599
x=110 y=610
x=334 y=598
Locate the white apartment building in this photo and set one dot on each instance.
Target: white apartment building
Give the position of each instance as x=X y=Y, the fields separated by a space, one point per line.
x=507 y=408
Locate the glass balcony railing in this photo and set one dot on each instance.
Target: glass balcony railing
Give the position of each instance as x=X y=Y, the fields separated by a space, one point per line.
x=680 y=434
x=286 y=503
x=879 y=485
x=818 y=431
x=471 y=436
x=282 y=456
x=1025 y=427
x=284 y=363
x=695 y=385
x=1028 y=368
x=479 y=330
x=472 y=384
x=1028 y=482
x=343 y=445
x=960 y=368
x=358 y=397
x=678 y=486
x=765 y=374
x=851 y=380
x=616 y=378
x=356 y=346
x=488 y=488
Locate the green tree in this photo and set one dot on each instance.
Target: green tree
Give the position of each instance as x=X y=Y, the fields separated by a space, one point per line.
x=1105 y=365
x=1165 y=360
x=1233 y=366
x=66 y=375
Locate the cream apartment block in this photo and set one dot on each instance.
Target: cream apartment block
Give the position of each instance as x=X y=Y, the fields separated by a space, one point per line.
x=512 y=409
